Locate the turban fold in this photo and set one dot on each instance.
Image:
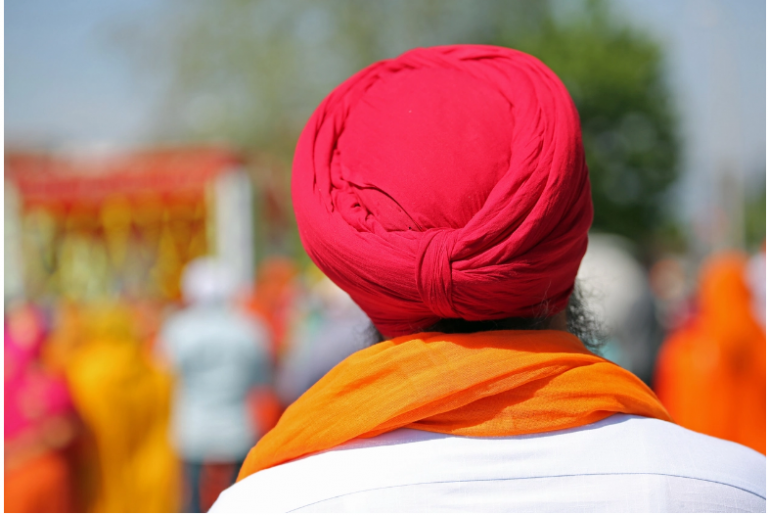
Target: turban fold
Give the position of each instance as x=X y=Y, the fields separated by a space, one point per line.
x=449 y=182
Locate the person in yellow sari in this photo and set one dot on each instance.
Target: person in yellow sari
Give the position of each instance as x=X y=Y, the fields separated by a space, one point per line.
x=124 y=400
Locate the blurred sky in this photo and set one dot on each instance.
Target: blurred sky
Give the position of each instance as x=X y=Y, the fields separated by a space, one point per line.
x=67 y=84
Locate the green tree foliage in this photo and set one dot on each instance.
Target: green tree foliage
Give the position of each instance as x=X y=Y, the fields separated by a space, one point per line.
x=614 y=74
x=252 y=72
x=754 y=218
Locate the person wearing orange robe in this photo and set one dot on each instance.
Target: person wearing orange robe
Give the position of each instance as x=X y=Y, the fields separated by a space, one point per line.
x=710 y=372
x=447 y=192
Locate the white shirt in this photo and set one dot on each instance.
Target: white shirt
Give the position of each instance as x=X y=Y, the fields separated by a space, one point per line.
x=623 y=463
x=218 y=354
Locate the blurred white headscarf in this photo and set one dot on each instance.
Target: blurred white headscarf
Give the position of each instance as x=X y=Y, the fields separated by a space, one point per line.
x=206 y=281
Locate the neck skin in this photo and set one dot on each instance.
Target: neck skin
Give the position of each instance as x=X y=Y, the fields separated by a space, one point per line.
x=557 y=322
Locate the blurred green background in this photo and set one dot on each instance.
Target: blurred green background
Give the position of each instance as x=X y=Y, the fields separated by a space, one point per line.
x=666 y=175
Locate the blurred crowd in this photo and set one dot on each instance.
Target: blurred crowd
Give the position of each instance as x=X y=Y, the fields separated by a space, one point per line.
x=147 y=406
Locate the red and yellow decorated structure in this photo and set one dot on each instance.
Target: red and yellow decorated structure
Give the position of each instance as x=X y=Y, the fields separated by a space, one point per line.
x=125 y=224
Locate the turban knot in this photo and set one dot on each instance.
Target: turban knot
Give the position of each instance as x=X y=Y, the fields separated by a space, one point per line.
x=449 y=182
x=434 y=276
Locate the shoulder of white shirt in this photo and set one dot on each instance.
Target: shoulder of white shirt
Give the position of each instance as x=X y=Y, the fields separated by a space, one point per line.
x=621 y=445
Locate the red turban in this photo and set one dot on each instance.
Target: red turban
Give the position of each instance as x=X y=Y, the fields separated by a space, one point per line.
x=449 y=182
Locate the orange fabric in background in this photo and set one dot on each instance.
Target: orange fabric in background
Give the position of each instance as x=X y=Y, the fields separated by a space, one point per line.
x=265 y=408
x=499 y=383
x=273 y=298
x=42 y=485
x=710 y=374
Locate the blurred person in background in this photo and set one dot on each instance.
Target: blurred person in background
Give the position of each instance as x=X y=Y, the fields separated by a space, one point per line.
x=332 y=328
x=66 y=335
x=274 y=297
x=668 y=279
x=446 y=191
x=62 y=344
x=616 y=289
x=219 y=355
x=124 y=399
x=273 y=303
x=710 y=373
x=39 y=421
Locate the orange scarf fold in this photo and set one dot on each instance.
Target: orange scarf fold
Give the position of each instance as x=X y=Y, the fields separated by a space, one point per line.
x=500 y=383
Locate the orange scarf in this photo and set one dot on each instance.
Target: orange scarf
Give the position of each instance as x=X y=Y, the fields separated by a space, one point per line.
x=500 y=383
